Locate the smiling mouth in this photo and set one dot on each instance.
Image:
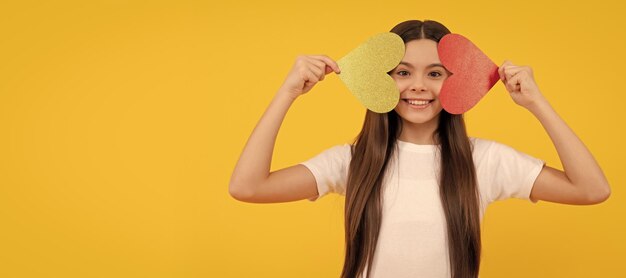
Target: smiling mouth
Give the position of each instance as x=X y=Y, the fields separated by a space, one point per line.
x=418 y=103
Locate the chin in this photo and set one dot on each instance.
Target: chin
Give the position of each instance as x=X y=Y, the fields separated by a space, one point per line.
x=419 y=121
x=410 y=118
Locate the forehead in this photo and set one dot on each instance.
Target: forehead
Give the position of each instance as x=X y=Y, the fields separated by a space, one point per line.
x=421 y=53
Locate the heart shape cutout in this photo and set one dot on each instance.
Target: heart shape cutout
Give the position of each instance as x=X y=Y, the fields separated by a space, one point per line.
x=364 y=71
x=473 y=73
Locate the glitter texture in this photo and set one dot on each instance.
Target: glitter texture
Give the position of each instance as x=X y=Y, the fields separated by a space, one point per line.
x=473 y=73
x=364 y=71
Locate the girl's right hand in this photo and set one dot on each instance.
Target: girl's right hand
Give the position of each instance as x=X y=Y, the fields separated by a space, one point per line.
x=306 y=72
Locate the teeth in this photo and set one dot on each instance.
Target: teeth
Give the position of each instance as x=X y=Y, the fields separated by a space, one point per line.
x=418 y=102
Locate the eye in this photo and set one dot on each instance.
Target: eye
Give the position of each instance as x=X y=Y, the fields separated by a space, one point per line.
x=435 y=74
x=402 y=72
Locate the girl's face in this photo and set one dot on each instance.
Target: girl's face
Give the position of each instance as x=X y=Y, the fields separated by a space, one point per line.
x=419 y=77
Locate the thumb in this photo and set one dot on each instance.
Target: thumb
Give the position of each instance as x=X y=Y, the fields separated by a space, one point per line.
x=328 y=70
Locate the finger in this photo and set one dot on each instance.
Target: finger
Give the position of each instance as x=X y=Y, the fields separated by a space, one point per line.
x=526 y=79
x=514 y=84
x=525 y=72
x=502 y=68
x=330 y=62
x=509 y=87
x=317 y=62
x=511 y=71
x=319 y=73
x=328 y=70
x=310 y=76
x=322 y=66
x=307 y=86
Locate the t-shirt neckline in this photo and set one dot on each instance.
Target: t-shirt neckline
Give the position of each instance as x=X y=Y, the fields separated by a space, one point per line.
x=415 y=147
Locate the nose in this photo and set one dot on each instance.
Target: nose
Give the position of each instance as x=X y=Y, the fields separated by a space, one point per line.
x=417 y=84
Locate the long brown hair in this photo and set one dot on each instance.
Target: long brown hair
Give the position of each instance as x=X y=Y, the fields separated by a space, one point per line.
x=371 y=151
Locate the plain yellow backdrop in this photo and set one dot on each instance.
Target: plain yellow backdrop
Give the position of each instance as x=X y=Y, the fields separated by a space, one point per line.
x=121 y=122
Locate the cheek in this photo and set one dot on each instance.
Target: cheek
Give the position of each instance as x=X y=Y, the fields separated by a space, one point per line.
x=435 y=85
x=402 y=84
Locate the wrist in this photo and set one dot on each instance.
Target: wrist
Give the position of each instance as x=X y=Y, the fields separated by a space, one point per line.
x=538 y=106
x=287 y=95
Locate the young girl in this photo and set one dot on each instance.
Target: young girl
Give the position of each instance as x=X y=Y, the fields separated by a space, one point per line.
x=415 y=185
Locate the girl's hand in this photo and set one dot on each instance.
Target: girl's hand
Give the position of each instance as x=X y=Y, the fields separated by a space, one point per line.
x=306 y=72
x=520 y=83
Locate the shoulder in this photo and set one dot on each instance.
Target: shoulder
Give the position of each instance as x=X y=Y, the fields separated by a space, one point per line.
x=342 y=150
x=335 y=153
x=483 y=146
x=495 y=154
x=494 y=157
x=343 y=147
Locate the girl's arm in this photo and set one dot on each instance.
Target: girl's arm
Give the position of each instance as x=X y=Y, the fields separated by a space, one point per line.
x=251 y=180
x=582 y=182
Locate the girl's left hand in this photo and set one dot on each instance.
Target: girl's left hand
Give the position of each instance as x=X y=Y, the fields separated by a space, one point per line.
x=520 y=83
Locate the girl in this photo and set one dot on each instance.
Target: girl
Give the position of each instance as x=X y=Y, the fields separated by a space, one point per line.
x=415 y=185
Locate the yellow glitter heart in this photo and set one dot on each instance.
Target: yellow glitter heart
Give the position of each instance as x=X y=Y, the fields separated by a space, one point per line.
x=364 y=71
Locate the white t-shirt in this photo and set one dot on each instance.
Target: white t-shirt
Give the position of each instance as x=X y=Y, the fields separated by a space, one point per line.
x=412 y=240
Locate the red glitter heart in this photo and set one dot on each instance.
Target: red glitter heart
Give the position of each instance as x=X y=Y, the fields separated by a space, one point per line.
x=473 y=73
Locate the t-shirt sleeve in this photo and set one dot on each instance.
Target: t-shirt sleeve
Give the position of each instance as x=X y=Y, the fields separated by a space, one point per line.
x=511 y=173
x=330 y=169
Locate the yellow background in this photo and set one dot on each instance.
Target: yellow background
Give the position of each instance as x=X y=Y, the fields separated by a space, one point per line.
x=121 y=122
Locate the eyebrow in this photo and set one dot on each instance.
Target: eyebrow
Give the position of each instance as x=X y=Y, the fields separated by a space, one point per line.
x=429 y=66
